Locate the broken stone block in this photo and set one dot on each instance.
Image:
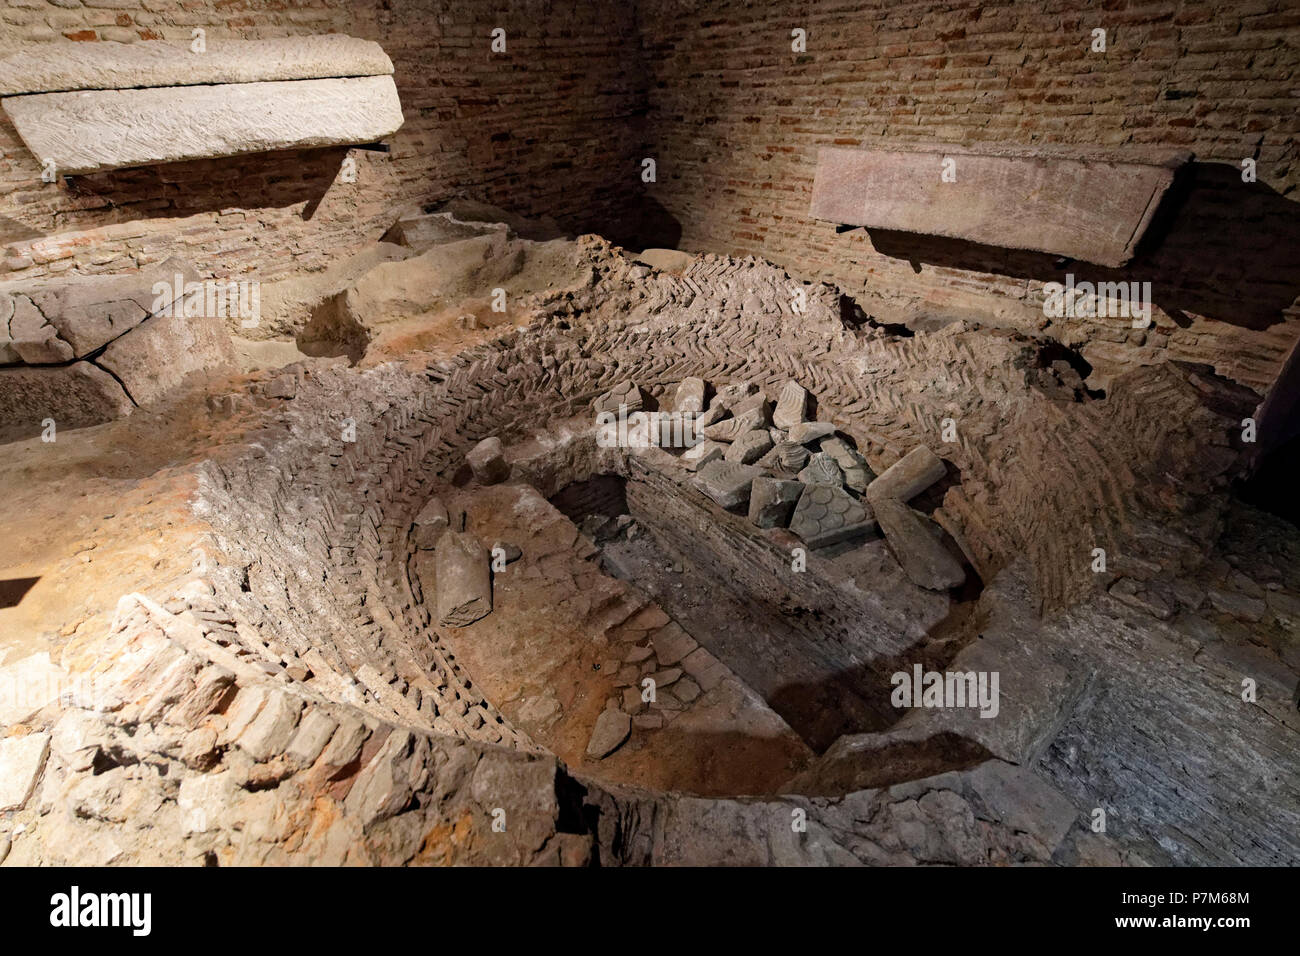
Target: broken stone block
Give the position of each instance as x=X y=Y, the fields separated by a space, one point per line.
x=749 y=447
x=464 y=576
x=757 y=400
x=822 y=470
x=728 y=395
x=488 y=461
x=772 y=501
x=857 y=473
x=430 y=523
x=792 y=456
x=909 y=476
x=804 y=432
x=697 y=456
x=791 y=406
x=730 y=429
x=914 y=539
x=726 y=482
x=690 y=395
x=827 y=515
x=715 y=414
x=626 y=394
x=21 y=760
x=611 y=730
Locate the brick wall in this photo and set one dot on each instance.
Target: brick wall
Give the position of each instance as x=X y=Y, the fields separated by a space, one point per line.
x=542 y=129
x=737 y=117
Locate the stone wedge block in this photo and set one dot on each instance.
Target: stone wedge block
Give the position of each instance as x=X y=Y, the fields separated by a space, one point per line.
x=94 y=130
x=924 y=559
x=1077 y=205
x=908 y=477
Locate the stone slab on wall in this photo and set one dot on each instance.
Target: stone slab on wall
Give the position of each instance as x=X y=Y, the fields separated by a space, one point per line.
x=92 y=130
x=1094 y=210
x=62 y=66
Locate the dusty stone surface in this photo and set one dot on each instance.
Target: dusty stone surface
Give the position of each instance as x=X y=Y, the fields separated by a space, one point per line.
x=727 y=483
x=904 y=190
x=612 y=728
x=55 y=67
x=488 y=462
x=21 y=760
x=913 y=540
x=749 y=447
x=791 y=406
x=827 y=514
x=89 y=131
x=464 y=579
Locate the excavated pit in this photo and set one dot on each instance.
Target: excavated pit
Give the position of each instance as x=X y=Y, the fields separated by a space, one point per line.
x=811 y=659
x=311 y=611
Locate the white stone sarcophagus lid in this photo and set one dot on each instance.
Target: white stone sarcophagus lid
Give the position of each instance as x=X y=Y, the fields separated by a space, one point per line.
x=89 y=107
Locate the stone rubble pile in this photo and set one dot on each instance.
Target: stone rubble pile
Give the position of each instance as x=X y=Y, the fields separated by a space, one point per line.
x=788 y=470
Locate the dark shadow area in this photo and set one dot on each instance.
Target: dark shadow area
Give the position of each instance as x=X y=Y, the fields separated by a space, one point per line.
x=646 y=224
x=12 y=590
x=1218 y=247
x=1273 y=485
x=254 y=181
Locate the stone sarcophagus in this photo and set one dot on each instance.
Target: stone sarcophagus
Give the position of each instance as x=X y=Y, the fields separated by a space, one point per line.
x=1084 y=206
x=84 y=108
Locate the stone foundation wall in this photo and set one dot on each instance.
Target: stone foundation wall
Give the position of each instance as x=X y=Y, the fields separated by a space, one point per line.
x=542 y=129
x=736 y=119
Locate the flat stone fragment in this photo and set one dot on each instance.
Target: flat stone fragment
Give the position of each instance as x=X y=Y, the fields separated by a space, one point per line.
x=626 y=395
x=464 y=579
x=672 y=643
x=924 y=558
x=822 y=470
x=749 y=447
x=690 y=395
x=791 y=406
x=611 y=730
x=699 y=455
x=729 y=395
x=1015 y=198
x=62 y=66
x=805 y=432
x=715 y=414
x=488 y=462
x=909 y=476
x=730 y=429
x=772 y=501
x=430 y=523
x=827 y=515
x=21 y=760
x=726 y=482
x=94 y=130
